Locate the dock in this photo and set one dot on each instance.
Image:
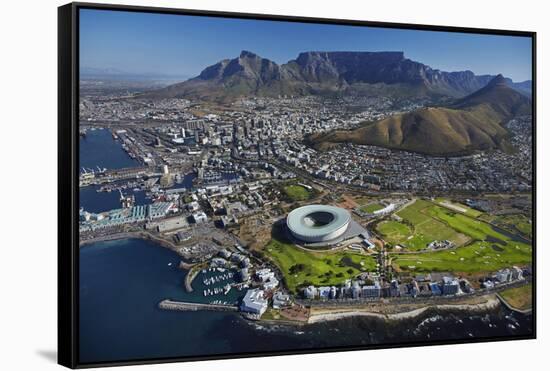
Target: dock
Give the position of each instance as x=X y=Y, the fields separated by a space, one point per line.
x=192 y=307
x=193 y=271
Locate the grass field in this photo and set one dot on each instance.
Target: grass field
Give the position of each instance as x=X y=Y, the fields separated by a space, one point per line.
x=426 y=227
x=476 y=257
x=370 y=208
x=458 y=207
x=394 y=232
x=302 y=268
x=519 y=297
x=296 y=192
x=490 y=251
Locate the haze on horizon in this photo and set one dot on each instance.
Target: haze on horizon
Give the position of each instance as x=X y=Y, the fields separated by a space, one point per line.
x=177 y=45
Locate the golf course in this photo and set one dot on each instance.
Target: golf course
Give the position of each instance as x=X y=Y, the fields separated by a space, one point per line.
x=301 y=267
x=418 y=228
x=485 y=249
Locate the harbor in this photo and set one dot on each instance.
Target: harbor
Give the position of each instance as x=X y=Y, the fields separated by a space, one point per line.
x=124 y=296
x=216 y=285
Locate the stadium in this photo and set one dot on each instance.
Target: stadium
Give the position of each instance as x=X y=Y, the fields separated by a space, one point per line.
x=321 y=225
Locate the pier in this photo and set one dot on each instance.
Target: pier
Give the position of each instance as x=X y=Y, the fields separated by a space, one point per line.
x=190 y=276
x=114 y=175
x=187 y=306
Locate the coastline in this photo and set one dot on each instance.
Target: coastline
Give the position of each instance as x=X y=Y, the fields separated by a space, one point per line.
x=512 y=308
x=129 y=235
x=192 y=272
x=492 y=302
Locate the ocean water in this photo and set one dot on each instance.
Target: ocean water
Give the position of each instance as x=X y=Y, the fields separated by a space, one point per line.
x=122 y=282
x=97 y=202
x=98 y=148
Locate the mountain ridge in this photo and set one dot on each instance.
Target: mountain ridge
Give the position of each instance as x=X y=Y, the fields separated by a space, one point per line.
x=324 y=73
x=470 y=124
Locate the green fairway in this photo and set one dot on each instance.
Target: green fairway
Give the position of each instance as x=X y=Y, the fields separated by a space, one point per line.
x=413 y=213
x=370 y=208
x=426 y=227
x=296 y=192
x=458 y=207
x=474 y=228
x=476 y=257
x=301 y=268
x=394 y=232
x=490 y=251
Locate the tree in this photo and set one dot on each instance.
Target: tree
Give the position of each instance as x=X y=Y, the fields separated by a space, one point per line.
x=296 y=268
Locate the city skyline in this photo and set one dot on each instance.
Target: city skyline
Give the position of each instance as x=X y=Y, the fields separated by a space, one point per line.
x=183 y=46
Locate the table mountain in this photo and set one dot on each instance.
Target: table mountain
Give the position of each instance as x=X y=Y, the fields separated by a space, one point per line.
x=324 y=73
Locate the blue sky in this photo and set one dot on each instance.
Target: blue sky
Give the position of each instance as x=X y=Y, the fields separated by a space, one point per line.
x=184 y=45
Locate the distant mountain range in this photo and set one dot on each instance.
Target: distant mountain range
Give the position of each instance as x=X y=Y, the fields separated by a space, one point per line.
x=328 y=73
x=468 y=124
x=92 y=73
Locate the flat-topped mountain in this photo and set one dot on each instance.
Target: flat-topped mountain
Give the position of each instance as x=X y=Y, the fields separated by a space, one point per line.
x=471 y=123
x=324 y=73
x=387 y=68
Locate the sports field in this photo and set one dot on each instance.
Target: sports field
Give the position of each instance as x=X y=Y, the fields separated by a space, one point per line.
x=296 y=192
x=458 y=207
x=370 y=208
x=301 y=268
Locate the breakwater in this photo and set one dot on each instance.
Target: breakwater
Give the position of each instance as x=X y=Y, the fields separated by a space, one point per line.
x=187 y=306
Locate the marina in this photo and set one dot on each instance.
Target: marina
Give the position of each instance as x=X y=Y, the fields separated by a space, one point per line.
x=219 y=285
x=122 y=295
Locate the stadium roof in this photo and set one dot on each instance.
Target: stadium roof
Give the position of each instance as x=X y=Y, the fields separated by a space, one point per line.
x=302 y=220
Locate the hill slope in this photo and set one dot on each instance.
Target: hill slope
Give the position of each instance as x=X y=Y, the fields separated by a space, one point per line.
x=471 y=123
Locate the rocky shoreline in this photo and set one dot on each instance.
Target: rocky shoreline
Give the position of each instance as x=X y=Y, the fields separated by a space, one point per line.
x=492 y=300
x=128 y=235
x=491 y=303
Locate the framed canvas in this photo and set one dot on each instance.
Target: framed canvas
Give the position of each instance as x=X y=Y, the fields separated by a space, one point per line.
x=236 y=185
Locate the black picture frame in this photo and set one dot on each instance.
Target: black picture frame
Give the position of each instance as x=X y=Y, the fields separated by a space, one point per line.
x=68 y=168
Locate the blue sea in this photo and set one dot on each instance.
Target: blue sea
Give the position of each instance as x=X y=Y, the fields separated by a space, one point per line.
x=122 y=282
x=98 y=149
